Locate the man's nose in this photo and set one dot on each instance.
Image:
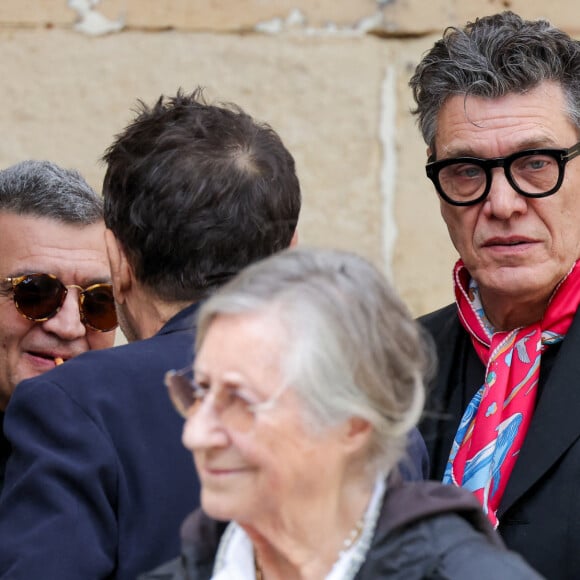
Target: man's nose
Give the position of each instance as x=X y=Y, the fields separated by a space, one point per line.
x=503 y=201
x=67 y=322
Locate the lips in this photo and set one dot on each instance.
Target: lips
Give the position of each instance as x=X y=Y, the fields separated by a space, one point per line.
x=510 y=247
x=41 y=355
x=220 y=472
x=223 y=470
x=48 y=356
x=508 y=241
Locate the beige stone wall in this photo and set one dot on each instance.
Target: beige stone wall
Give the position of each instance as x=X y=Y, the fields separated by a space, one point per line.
x=329 y=75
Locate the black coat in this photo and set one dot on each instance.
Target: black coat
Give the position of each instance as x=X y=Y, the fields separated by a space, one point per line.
x=425 y=530
x=540 y=510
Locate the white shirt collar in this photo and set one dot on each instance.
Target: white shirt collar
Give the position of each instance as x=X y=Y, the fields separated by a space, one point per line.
x=235 y=555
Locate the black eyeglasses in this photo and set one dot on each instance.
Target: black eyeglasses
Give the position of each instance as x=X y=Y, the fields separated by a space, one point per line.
x=532 y=173
x=39 y=297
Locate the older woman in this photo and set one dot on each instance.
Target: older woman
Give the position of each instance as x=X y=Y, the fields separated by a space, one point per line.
x=308 y=376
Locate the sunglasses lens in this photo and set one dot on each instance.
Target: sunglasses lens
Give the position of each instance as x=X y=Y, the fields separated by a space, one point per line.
x=98 y=308
x=39 y=296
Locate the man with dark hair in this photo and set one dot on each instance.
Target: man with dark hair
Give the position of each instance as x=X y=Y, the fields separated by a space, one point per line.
x=98 y=481
x=498 y=104
x=56 y=300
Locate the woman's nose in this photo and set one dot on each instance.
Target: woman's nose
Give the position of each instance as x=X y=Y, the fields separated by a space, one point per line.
x=204 y=428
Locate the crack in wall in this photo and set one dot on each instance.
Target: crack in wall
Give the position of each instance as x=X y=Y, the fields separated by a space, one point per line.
x=388 y=178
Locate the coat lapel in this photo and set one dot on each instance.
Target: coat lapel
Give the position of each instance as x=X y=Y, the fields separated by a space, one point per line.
x=555 y=424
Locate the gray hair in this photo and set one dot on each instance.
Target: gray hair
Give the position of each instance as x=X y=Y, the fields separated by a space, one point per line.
x=43 y=189
x=492 y=57
x=353 y=348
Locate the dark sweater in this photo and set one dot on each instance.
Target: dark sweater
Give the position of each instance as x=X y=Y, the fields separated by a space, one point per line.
x=426 y=530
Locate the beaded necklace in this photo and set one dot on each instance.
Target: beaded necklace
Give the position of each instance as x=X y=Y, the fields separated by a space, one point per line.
x=349 y=541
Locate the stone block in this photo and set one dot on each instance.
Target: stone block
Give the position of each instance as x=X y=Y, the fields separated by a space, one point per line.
x=561 y=13
x=423 y=256
x=243 y=15
x=35 y=13
x=67 y=95
x=417 y=17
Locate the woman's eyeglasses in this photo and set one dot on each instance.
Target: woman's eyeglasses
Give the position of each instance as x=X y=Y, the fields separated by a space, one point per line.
x=235 y=409
x=39 y=297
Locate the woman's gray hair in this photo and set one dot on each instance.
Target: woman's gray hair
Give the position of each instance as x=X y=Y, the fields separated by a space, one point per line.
x=353 y=349
x=43 y=189
x=492 y=57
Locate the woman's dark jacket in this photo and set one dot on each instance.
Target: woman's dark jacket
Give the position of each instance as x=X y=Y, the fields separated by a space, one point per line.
x=426 y=530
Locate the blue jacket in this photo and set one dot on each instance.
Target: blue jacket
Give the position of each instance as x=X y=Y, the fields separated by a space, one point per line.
x=98 y=481
x=4 y=450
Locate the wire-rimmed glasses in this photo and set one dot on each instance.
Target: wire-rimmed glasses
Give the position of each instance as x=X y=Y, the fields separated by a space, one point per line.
x=40 y=296
x=235 y=408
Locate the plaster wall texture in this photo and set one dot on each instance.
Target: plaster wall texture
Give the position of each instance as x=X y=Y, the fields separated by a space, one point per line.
x=329 y=75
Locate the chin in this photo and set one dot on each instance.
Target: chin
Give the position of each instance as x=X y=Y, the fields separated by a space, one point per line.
x=219 y=508
x=516 y=281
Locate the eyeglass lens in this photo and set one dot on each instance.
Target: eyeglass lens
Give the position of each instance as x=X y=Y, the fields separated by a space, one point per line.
x=235 y=410
x=534 y=174
x=98 y=307
x=39 y=297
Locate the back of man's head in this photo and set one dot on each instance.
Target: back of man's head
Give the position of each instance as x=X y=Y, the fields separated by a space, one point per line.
x=45 y=190
x=194 y=192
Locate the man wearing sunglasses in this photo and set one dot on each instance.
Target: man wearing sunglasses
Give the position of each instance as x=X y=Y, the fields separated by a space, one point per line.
x=56 y=298
x=98 y=482
x=498 y=104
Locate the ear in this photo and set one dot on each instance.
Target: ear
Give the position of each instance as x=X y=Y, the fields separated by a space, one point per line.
x=429 y=152
x=357 y=434
x=294 y=240
x=121 y=272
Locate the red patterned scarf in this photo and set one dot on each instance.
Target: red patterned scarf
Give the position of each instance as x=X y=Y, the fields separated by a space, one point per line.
x=495 y=423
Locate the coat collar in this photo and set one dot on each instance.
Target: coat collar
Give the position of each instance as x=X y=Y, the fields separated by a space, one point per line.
x=555 y=425
x=185 y=319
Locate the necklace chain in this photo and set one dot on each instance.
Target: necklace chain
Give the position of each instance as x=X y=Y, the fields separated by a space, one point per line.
x=348 y=542
x=257 y=568
x=353 y=535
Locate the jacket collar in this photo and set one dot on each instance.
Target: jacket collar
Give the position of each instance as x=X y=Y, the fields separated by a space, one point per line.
x=555 y=425
x=185 y=319
x=409 y=502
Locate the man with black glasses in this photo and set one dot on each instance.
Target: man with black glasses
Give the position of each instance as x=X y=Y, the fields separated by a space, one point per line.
x=56 y=299
x=98 y=482
x=498 y=104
